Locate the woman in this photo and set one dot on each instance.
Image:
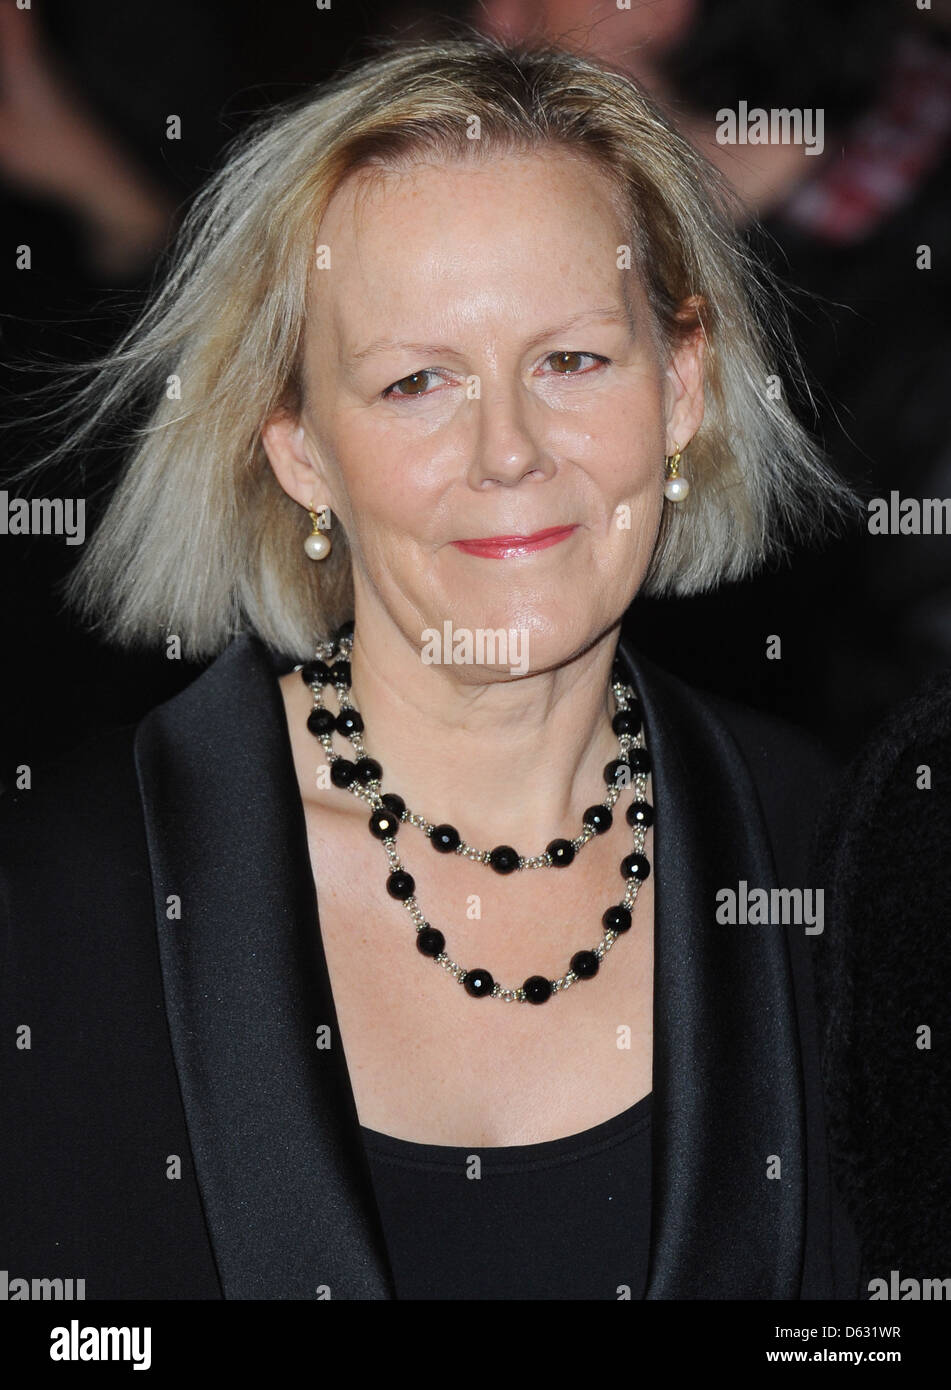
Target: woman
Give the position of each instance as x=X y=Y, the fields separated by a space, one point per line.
x=479 y=317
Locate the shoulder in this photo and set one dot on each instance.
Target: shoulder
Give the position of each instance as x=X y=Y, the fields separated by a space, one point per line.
x=767 y=742
x=75 y=882
x=78 y=951
x=92 y=793
x=76 y=913
x=793 y=772
x=67 y=804
x=796 y=773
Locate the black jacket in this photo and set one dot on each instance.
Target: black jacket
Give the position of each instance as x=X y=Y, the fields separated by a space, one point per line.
x=162 y=1044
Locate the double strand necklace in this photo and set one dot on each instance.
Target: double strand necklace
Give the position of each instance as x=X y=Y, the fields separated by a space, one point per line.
x=362 y=776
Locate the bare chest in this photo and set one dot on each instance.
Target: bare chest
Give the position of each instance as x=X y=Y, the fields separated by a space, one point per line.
x=429 y=1063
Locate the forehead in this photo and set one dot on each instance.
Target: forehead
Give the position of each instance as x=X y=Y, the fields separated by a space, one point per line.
x=548 y=210
x=436 y=182
x=527 y=223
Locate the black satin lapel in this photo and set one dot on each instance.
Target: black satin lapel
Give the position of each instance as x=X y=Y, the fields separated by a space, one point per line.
x=271 y=1116
x=727 y=1086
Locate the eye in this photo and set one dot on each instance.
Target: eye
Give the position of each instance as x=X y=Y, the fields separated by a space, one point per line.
x=414 y=380
x=568 y=363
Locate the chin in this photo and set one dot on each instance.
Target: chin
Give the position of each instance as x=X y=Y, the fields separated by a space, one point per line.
x=510 y=638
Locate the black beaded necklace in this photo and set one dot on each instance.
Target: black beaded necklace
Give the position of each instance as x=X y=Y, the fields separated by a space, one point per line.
x=363 y=777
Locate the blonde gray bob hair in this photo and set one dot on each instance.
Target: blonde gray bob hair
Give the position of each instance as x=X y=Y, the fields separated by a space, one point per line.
x=199 y=539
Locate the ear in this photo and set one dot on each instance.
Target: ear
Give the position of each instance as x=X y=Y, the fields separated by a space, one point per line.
x=295 y=460
x=684 y=380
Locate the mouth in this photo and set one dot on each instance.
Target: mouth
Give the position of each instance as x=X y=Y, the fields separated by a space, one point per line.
x=504 y=547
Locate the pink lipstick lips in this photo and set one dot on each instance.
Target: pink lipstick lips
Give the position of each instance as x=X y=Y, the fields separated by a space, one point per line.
x=504 y=547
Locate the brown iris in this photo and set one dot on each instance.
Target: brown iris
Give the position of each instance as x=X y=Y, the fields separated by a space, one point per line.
x=419 y=378
x=565 y=359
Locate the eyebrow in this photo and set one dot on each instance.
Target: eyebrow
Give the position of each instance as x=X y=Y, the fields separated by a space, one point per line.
x=609 y=315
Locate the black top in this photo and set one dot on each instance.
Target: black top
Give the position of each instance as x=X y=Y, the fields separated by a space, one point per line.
x=176 y=1112
x=565 y=1219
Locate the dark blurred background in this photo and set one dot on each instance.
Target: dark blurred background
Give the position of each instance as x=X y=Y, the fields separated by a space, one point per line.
x=89 y=181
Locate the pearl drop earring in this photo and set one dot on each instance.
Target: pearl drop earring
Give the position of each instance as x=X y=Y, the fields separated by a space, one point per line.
x=675 y=487
x=318 y=544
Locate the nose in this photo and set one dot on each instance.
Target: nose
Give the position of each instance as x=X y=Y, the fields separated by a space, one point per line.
x=508 y=444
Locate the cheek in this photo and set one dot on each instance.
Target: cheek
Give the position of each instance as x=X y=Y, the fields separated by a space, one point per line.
x=627 y=438
x=390 y=486
x=618 y=440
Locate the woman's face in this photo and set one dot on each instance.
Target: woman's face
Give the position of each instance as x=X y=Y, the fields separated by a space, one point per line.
x=478 y=366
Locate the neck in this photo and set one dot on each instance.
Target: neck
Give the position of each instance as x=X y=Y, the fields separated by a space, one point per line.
x=508 y=760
